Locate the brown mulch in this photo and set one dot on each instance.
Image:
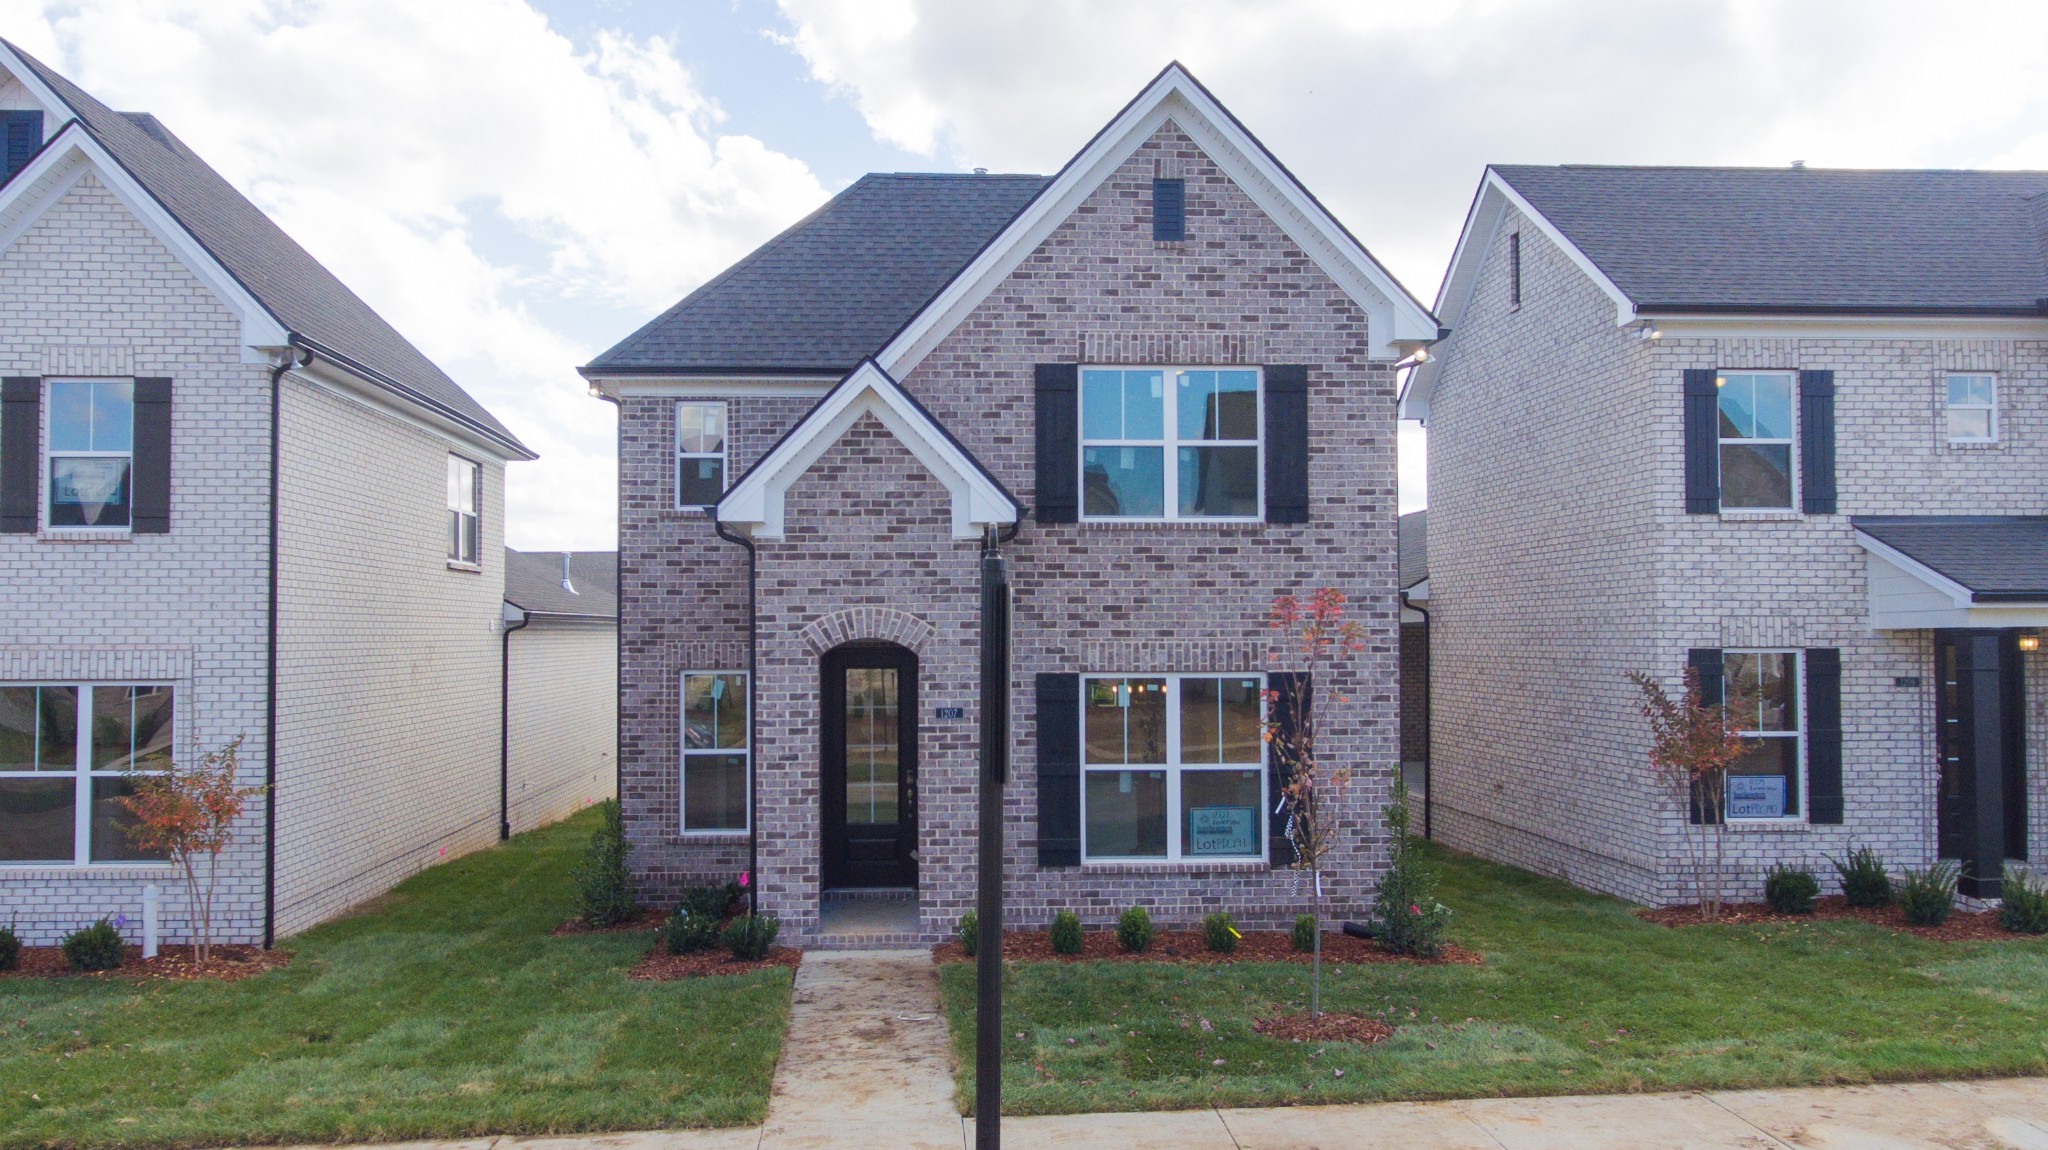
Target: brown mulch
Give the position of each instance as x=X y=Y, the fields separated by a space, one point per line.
x=661 y=966
x=646 y=918
x=1190 y=947
x=172 y=963
x=1961 y=925
x=1325 y=1027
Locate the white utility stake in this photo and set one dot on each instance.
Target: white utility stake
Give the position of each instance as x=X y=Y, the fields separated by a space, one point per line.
x=152 y=900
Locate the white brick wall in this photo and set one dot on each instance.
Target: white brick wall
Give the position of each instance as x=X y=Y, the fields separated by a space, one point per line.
x=565 y=714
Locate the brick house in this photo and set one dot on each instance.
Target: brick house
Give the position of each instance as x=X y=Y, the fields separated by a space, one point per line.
x=234 y=503
x=1788 y=427
x=1162 y=381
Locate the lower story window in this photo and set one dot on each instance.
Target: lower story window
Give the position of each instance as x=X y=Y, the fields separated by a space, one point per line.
x=68 y=753
x=715 y=751
x=1764 y=783
x=1173 y=767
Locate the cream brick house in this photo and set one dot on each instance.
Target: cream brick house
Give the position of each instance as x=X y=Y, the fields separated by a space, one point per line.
x=561 y=684
x=1785 y=426
x=234 y=503
x=1162 y=382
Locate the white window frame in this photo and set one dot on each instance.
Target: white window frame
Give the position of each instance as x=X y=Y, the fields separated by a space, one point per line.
x=1169 y=444
x=45 y=503
x=1797 y=783
x=1991 y=408
x=1175 y=816
x=1790 y=441
x=474 y=535
x=684 y=752
x=723 y=455
x=82 y=774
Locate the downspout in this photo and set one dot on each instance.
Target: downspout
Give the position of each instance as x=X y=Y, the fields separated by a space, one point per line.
x=753 y=712
x=303 y=358
x=1427 y=724
x=505 y=722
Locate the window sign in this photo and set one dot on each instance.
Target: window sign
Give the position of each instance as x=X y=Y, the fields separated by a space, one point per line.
x=1756 y=796
x=1223 y=831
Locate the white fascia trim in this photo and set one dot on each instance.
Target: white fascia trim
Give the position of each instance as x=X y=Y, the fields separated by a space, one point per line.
x=1624 y=307
x=337 y=380
x=755 y=504
x=713 y=386
x=1919 y=571
x=1737 y=325
x=1398 y=323
x=58 y=168
x=1418 y=593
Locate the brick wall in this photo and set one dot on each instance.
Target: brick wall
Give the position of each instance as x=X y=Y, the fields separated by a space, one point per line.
x=565 y=712
x=1414 y=692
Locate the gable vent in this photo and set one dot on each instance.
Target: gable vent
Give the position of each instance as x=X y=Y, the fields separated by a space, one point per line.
x=24 y=135
x=1169 y=209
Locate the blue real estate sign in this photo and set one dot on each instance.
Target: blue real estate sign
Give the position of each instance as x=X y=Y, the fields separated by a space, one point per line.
x=1756 y=796
x=1223 y=831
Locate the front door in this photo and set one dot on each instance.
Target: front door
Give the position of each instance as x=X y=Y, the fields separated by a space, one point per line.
x=1981 y=817
x=870 y=767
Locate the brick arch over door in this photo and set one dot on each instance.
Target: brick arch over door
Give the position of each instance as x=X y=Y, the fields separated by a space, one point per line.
x=869 y=623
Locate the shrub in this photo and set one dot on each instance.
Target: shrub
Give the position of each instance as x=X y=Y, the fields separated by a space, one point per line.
x=1134 y=929
x=2025 y=909
x=1926 y=896
x=687 y=932
x=1304 y=936
x=1219 y=930
x=1864 y=880
x=712 y=902
x=96 y=947
x=1066 y=933
x=1406 y=917
x=603 y=887
x=969 y=931
x=10 y=948
x=749 y=936
x=1790 y=890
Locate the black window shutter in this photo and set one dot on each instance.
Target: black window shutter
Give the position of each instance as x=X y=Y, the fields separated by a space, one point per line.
x=1291 y=701
x=1707 y=662
x=1059 y=443
x=21 y=448
x=1287 y=443
x=1059 y=770
x=1702 y=442
x=1824 y=735
x=151 y=479
x=1817 y=442
x=1169 y=209
x=24 y=137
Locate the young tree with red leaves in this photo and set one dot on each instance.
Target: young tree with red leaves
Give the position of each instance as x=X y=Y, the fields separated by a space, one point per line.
x=187 y=812
x=1692 y=745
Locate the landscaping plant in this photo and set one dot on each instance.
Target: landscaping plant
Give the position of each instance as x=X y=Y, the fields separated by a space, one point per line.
x=1407 y=918
x=1865 y=882
x=1219 y=930
x=1304 y=934
x=1790 y=890
x=749 y=936
x=712 y=902
x=1134 y=929
x=10 y=948
x=969 y=932
x=603 y=886
x=1926 y=896
x=187 y=813
x=1692 y=744
x=1321 y=640
x=96 y=947
x=2025 y=906
x=1066 y=933
x=687 y=932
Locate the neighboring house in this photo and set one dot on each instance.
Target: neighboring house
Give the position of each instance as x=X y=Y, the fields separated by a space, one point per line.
x=561 y=684
x=1414 y=554
x=234 y=504
x=1787 y=427
x=1162 y=383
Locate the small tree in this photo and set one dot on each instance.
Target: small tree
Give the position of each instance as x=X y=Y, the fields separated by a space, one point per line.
x=1692 y=744
x=604 y=886
x=1320 y=637
x=188 y=813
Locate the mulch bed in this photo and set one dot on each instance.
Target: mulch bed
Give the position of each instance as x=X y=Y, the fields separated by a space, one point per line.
x=646 y=918
x=1189 y=946
x=1961 y=926
x=172 y=963
x=1326 y=1027
x=661 y=966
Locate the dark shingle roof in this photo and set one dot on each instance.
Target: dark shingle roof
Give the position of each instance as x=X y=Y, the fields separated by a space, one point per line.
x=533 y=582
x=304 y=297
x=1804 y=239
x=1414 y=548
x=831 y=290
x=2001 y=558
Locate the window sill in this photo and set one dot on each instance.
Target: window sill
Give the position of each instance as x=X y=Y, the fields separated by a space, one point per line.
x=1198 y=523
x=1769 y=826
x=470 y=568
x=1974 y=445
x=1761 y=516
x=712 y=838
x=1183 y=866
x=19 y=872
x=84 y=535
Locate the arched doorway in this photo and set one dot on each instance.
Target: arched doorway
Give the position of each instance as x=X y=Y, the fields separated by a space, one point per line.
x=868 y=758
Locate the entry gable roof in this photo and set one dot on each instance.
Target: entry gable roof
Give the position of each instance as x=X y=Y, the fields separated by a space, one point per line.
x=1978 y=558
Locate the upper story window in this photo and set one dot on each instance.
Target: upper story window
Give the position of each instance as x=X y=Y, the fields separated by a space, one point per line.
x=464 y=497
x=1170 y=443
x=91 y=437
x=700 y=453
x=1173 y=767
x=1764 y=783
x=67 y=753
x=1972 y=407
x=1756 y=439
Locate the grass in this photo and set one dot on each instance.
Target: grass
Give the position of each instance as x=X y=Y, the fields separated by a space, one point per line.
x=446 y=1010
x=1577 y=997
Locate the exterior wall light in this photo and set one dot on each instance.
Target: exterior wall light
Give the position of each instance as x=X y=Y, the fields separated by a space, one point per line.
x=2030 y=642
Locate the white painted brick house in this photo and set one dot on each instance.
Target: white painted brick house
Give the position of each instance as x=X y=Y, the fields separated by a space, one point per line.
x=234 y=503
x=561 y=688
x=1788 y=426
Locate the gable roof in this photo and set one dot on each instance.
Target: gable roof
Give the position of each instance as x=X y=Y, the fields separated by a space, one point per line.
x=314 y=308
x=828 y=291
x=533 y=583
x=1994 y=559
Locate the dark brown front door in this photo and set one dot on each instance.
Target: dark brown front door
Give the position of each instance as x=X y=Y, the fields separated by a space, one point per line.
x=870 y=767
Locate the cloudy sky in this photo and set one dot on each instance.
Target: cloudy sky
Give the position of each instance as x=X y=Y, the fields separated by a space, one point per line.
x=518 y=183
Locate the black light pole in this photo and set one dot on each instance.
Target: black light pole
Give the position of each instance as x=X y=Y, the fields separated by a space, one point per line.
x=995 y=770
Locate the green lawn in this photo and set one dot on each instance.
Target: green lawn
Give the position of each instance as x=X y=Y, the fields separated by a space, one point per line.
x=1577 y=996
x=446 y=1010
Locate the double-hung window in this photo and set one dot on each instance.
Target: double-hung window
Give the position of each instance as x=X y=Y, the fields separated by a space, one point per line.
x=1173 y=767
x=1170 y=443
x=700 y=453
x=715 y=751
x=464 y=497
x=68 y=753
x=1756 y=439
x=91 y=453
x=1764 y=782
x=1972 y=407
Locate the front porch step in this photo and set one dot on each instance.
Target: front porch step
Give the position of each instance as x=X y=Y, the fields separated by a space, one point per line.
x=871 y=940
